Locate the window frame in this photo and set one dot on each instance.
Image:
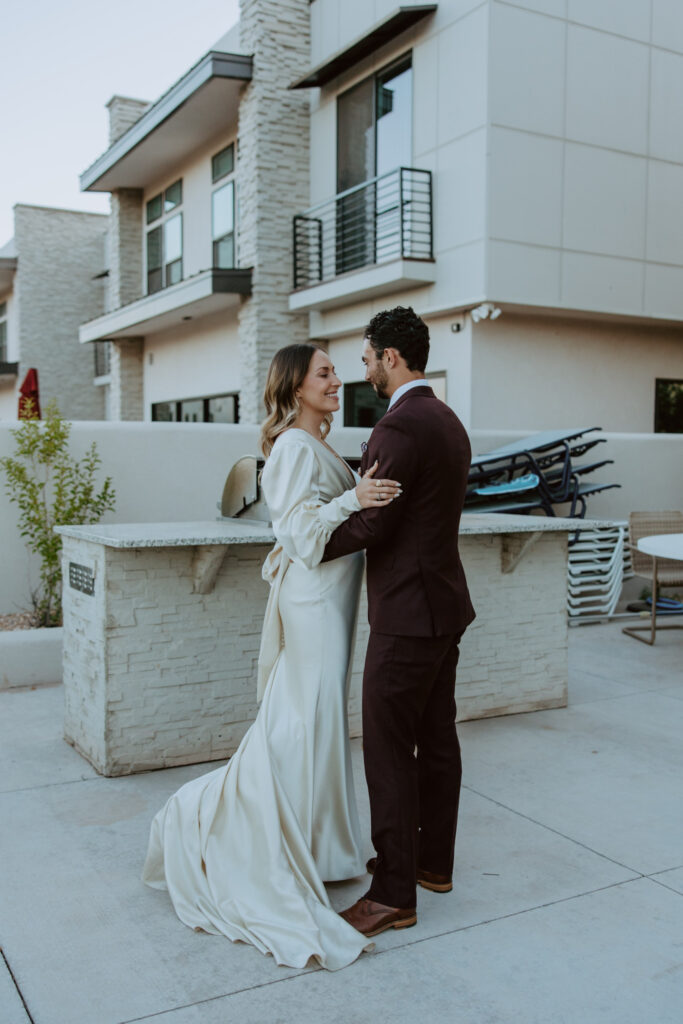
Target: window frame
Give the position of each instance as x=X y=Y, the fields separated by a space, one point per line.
x=204 y=399
x=158 y=222
x=228 y=178
x=658 y=415
x=4 y=331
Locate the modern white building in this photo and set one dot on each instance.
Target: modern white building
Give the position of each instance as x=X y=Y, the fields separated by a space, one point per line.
x=548 y=256
x=51 y=279
x=204 y=187
x=510 y=168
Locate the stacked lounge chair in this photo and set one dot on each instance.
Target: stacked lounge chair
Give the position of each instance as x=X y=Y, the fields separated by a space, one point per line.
x=537 y=474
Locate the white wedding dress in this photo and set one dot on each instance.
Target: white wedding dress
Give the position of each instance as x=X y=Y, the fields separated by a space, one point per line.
x=244 y=850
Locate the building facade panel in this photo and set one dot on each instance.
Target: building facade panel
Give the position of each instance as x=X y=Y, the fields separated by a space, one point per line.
x=602 y=282
x=462 y=79
x=604 y=202
x=666 y=89
x=526 y=67
x=525 y=175
x=629 y=18
x=533 y=373
x=667 y=24
x=607 y=90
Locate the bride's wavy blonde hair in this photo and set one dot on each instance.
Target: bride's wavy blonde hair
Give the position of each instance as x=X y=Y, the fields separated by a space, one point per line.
x=285 y=376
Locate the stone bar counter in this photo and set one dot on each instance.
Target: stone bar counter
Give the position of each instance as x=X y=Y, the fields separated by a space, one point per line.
x=162 y=625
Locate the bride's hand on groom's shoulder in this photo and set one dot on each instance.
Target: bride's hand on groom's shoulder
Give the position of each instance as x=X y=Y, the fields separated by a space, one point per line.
x=374 y=493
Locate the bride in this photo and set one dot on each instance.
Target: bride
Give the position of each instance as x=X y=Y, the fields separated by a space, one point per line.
x=244 y=850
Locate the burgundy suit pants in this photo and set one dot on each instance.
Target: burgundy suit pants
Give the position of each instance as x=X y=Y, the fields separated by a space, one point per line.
x=412 y=760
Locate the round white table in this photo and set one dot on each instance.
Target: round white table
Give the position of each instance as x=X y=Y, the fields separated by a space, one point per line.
x=663 y=545
x=658 y=546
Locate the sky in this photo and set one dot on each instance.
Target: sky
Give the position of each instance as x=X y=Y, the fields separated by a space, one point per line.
x=60 y=62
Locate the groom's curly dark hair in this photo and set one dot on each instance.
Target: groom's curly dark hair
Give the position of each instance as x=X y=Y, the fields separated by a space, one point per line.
x=400 y=328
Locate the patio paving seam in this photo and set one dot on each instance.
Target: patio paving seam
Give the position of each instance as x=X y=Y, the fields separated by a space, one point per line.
x=393 y=949
x=16 y=985
x=52 y=785
x=557 y=832
x=652 y=878
x=223 y=995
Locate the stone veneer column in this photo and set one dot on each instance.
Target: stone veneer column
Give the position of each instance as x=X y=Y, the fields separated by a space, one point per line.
x=125 y=272
x=125 y=397
x=273 y=183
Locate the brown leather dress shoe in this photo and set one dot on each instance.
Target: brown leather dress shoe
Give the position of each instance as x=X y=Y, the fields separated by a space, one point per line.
x=371 y=918
x=427 y=879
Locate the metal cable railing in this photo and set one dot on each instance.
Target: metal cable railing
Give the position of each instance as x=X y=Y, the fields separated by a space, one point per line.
x=386 y=218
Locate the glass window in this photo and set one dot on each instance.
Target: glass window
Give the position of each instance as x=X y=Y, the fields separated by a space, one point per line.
x=355 y=136
x=102 y=358
x=164 y=243
x=223 y=226
x=362 y=407
x=669 y=406
x=164 y=412
x=223 y=163
x=173 y=196
x=3 y=332
x=374 y=137
x=192 y=410
x=212 y=409
x=222 y=409
x=393 y=118
x=154 y=209
x=154 y=275
x=173 y=249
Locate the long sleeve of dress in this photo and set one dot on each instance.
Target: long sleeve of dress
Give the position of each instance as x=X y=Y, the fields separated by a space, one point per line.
x=303 y=521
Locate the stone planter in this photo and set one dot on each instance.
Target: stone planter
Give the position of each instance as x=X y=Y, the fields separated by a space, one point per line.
x=30 y=657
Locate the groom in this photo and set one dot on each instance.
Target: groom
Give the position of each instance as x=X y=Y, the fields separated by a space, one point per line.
x=419 y=607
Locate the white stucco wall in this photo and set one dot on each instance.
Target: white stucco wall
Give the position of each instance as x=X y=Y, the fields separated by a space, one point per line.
x=547 y=127
x=197 y=359
x=585 y=171
x=539 y=373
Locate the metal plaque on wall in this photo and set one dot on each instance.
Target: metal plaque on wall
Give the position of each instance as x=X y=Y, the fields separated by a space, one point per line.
x=81 y=578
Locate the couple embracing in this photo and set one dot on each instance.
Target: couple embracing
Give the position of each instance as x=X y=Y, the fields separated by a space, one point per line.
x=245 y=850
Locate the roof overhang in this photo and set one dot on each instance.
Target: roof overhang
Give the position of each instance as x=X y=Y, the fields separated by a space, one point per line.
x=198 y=108
x=211 y=291
x=8 y=268
x=402 y=18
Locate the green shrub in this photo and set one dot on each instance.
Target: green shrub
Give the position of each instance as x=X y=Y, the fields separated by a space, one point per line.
x=51 y=489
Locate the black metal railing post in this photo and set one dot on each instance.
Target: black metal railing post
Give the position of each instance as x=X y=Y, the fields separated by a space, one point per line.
x=383 y=219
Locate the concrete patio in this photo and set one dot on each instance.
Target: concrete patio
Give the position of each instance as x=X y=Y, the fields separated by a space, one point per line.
x=568 y=900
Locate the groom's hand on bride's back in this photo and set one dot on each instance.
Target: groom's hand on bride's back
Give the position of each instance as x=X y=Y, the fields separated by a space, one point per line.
x=374 y=491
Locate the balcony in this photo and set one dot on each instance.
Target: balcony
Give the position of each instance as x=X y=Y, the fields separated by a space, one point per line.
x=373 y=239
x=210 y=291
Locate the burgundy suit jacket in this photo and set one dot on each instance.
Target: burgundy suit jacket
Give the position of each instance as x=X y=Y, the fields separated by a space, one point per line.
x=416 y=582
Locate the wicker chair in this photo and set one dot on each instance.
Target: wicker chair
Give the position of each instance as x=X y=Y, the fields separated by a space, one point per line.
x=663 y=572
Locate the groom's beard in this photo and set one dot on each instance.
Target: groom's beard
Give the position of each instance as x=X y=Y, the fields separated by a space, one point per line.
x=379 y=381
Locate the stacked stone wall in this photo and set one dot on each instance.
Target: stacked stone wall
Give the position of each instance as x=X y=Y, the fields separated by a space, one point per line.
x=60 y=252
x=273 y=182
x=124 y=284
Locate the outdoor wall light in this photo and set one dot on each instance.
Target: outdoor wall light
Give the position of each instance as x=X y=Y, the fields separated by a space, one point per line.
x=486 y=310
